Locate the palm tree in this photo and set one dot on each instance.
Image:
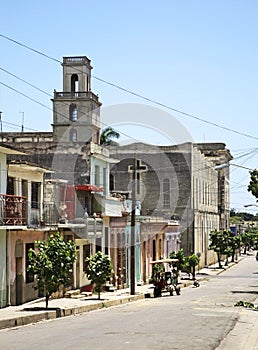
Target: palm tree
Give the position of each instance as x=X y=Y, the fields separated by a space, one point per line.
x=107 y=135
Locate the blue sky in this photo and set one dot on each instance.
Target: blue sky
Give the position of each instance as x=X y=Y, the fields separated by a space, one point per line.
x=199 y=57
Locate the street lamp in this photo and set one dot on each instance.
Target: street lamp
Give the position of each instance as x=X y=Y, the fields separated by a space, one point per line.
x=226 y=165
x=250 y=205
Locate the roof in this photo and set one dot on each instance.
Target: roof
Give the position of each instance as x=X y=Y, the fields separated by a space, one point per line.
x=21 y=164
x=9 y=150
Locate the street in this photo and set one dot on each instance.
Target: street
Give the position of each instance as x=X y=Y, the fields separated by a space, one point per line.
x=200 y=318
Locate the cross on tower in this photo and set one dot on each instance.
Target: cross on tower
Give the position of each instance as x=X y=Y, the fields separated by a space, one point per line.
x=138 y=168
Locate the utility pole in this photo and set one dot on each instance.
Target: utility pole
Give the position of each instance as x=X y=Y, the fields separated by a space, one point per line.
x=1 y=124
x=132 y=249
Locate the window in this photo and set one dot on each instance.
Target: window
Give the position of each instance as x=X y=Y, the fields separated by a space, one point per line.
x=98 y=245
x=97 y=175
x=86 y=254
x=153 y=249
x=138 y=183
x=111 y=182
x=74 y=83
x=29 y=275
x=166 y=194
x=10 y=186
x=105 y=180
x=106 y=241
x=73 y=115
x=35 y=191
x=24 y=188
x=73 y=135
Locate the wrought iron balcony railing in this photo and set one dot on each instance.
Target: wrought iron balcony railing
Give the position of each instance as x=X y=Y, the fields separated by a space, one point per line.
x=13 y=210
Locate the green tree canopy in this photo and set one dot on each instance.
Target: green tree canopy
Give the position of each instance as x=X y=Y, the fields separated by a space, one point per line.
x=220 y=244
x=181 y=258
x=98 y=270
x=250 y=239
x=190 y=262
x=51 y=261
x=253 y=184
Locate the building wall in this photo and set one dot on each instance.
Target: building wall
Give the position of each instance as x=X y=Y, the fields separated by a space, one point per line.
x=20 y=291
x=29 y=174
x=192 y=194
x=3 y=270
x=3 y=173
x=80 y=279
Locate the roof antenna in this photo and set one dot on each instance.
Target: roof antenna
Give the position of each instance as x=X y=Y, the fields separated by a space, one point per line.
x=22 y=127
x=1 y=124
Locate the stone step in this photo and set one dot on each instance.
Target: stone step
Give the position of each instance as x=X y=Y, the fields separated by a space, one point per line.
x=72 y=293
x=86 y=294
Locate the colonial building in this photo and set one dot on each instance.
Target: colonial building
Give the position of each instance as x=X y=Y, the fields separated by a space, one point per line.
x=77 y=199
x=179 y=181
x=21 y=225
x=7 y=216
x=182 y=196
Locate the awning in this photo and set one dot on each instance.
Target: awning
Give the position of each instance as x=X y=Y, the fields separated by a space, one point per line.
x=89 y=188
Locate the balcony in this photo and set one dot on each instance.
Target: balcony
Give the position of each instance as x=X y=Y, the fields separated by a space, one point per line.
x=51 y=215
x=84 y=95
x=13 y=210
x=85 y=228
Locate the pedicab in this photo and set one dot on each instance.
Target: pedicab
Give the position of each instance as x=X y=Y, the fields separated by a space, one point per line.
x=165 y=277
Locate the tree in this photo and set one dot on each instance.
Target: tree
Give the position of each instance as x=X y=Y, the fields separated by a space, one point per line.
x=179 y=265
x=190 y=262
x=107 y=136
x=220 y=244
x=51 y=261
x=181 y=259
x=250 y=239
x=253 y=184
x=98 y=270
x=235 y=242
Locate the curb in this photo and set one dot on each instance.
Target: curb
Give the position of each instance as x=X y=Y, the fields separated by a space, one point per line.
x=28 y=319
x=37 y=316
x=63 y=312
x=100 y=305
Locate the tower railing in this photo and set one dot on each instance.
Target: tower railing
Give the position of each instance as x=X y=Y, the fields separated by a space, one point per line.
x=76 y=94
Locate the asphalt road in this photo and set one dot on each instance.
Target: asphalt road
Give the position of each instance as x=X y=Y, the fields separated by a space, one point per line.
x=200 y=318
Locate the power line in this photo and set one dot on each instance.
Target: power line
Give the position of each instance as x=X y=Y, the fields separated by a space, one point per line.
x=24 y=95
x=136 y=94
x=43 y=105
x=26 y=82
x=29 y=48
x=46 y=93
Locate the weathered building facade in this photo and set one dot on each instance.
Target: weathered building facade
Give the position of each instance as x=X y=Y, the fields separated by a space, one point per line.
x=178 y=181
x=181 y=194
x=77 y=199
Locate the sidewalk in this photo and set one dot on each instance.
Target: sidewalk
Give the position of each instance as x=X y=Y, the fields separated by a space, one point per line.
x=34 y=311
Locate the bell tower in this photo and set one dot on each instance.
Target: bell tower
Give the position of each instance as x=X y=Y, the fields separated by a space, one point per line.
x=76 y=110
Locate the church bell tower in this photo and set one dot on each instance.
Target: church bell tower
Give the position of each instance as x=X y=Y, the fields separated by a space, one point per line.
x=76 y=110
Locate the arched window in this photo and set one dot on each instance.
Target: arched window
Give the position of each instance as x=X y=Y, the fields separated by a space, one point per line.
x=166 y=193
x=73 y=112
x=111 y=182
x=73 y=135
x=74 y=83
